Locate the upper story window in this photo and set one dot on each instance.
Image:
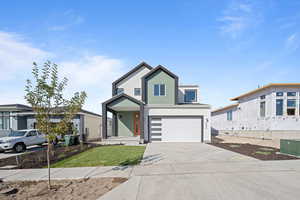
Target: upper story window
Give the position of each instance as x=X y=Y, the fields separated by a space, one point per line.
x=263 y=109
x=279 y=107
x=291 y=107
x=137 y=91
x=291 y=94
x=120 y=90
x=229 y=115
x=190 y=96
x=279 y=94
x=159 y=90
x=263 y=97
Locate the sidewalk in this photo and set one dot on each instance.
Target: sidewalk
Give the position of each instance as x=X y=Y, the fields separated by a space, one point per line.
x=65 y=173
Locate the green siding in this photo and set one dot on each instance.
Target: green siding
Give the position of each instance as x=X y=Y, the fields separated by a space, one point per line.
x=123 y=102
x=125 y=123
x=160 y=77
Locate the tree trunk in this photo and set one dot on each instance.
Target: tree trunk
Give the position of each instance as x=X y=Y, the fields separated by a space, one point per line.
x=48 y=162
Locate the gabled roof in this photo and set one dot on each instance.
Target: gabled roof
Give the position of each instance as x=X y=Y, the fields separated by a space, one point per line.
x=265 y=87
x=160 y=67
x=142 y=64
x=123 y=95
x=225 y=108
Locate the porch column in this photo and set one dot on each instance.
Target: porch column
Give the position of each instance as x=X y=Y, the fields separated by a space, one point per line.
x=142 y=123
x=114 y=123
x=104 y=121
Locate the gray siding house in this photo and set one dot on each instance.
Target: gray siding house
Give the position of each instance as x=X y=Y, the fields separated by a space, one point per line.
x=18 y=117
x=149 y=103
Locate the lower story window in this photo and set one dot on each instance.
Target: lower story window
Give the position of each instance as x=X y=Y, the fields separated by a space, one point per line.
x=291 y=107
x=279 y=107
x=4 y=121
x=263 y=109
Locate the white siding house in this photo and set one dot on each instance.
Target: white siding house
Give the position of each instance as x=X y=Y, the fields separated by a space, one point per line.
x=271 y=111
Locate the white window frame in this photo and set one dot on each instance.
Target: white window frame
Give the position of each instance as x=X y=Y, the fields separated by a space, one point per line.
x=229 y=113
x=135 y=89
x=159 y=92
x=196 y=96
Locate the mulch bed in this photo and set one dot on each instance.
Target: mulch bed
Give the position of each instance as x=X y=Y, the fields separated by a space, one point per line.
x=255 y=151
x=90 y=189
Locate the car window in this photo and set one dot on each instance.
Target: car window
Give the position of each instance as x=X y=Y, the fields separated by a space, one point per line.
x=32 y=133
x=17 y=134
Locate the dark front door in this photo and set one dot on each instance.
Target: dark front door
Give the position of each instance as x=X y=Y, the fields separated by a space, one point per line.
x=136 y=124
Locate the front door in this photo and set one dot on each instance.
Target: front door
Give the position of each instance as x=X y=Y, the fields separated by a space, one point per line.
x=136 y=124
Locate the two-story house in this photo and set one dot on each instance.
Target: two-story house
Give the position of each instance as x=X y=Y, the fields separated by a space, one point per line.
x=149 y=103
x=271 y=111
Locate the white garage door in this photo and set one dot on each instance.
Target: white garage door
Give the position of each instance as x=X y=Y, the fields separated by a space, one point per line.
x=176 y=129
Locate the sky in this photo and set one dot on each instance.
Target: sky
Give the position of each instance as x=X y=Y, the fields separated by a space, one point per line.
x=227 y=47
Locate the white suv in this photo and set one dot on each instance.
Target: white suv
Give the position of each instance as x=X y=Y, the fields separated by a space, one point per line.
x=19 y=140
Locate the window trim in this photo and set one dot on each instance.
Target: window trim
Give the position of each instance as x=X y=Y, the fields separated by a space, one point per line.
x=229 y=114
x=122 y=91
x=282 y=109
x=279 y=95
x=196 y=96
x=260 y=109
x=137 y=89
x=159 y=89
x=5 y=115
x=287 y=94
x=295 y=100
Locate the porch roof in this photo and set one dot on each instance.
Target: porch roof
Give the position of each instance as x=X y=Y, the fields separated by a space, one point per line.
x=123 y=102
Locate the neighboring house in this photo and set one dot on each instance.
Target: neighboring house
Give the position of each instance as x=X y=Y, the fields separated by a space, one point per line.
x=272 y=111
x=18 y=117
x=148 y=102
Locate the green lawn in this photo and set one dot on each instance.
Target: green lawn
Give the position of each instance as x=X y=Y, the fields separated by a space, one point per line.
x=104 y=156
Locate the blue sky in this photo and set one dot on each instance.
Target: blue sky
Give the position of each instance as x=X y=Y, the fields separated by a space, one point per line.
x=226 y=47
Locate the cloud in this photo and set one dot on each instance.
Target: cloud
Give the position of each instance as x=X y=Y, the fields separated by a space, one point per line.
x=237 y=18
x=93 y=73
x=90 y=72
x=16 y=55
x=292 y=43
x=68 y=19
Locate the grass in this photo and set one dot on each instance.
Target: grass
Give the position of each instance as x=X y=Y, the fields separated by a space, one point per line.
x=266 y=149
x=104 y=156
x=263 y=152
x=235 y=145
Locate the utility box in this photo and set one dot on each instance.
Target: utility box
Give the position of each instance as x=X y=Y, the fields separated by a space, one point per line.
x=291 y=147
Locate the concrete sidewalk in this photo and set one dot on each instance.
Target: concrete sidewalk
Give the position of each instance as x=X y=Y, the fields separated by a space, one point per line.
x=222 y=181
x=177 y=171
x=66 y=173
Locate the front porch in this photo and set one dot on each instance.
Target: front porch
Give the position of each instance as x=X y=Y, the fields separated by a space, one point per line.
x=122 y=140
x=127 y=119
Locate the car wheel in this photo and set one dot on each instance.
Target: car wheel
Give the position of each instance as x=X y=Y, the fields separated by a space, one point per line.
x=19 y=147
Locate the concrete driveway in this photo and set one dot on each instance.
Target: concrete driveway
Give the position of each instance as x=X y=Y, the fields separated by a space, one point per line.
x=200 y=171
x=192 y=152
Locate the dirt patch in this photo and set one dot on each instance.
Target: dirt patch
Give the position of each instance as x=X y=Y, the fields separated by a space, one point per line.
x=62 y=189
x=246 y=140
x=255 y=151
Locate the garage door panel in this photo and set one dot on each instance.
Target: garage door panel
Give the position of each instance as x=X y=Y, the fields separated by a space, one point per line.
x=179 y=128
